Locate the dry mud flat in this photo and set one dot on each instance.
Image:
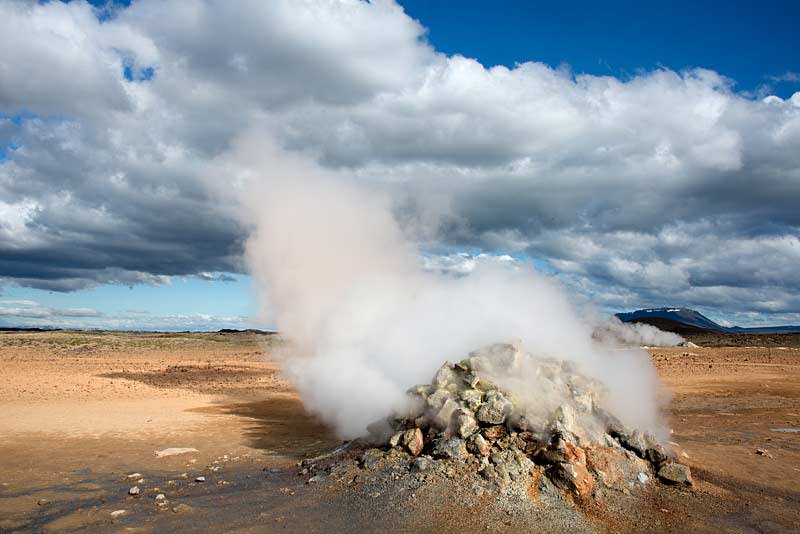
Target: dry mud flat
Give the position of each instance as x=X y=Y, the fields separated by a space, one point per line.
x=81 y=412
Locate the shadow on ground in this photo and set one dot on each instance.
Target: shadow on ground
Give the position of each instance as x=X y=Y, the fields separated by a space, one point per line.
x=279 y=425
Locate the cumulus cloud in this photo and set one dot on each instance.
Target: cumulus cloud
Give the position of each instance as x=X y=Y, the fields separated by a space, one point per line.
x=662 y=186
x=31 y=314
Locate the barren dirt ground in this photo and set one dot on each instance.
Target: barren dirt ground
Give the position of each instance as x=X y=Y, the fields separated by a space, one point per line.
x=80 y=412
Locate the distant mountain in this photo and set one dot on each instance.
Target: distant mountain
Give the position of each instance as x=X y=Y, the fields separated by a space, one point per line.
x=686 y=321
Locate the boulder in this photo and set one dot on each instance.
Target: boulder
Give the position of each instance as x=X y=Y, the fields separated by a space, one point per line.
x=450 y=448
x=561 y=450
x=464 y=423
x=495 y=409
x=675 y=474
x=656 y=455
x=411 y=440
x=436 y=399
x=445 y=375
x=472 y=398
x=574 y=478
x=444 y=415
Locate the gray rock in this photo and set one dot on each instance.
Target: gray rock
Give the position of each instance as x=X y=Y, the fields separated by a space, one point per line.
x=472 y=398
x=445 y=375
x=450 y=448
x=444 y=415
x=134 y=491
x=423 y=463
x=495 y=409
x=637 y=442
x=656 y=455
x=371 y=458
x=464 y=423
x=436 y=399
x=675 y=474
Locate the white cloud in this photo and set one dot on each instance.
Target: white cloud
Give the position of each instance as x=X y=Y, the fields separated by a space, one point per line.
x=665 y=185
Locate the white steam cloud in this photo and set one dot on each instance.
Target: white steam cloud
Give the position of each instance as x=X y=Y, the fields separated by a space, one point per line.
x=638 y=334
x=337 y=275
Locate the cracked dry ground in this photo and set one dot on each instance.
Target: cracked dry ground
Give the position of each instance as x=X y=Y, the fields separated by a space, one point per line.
x=79 y=412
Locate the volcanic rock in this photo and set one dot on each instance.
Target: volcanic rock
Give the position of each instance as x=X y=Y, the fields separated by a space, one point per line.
x=371 y=458
x=676 y=474
x=551 y=426
x=423 y=463
x=572 y=477
x=465 y=423
x=477 y=445
x=495 y=410
x=411 y=441
x=450 y=448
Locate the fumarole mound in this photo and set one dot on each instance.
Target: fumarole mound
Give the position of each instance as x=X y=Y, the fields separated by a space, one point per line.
x=547 y=422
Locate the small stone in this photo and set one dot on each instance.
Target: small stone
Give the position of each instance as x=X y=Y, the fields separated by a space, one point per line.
x=172 y=451
x=476 y=444
x=118 y=513
x=495 y=409
x=451 y=448
x=371 y=458
x=135 y=475
x=412 y=441
x=200 y=479
x=763 y=452
x=316 y=478
x=465 y=423
x=395 y=439
x=42 y=502
x=182 y=509
x=423 y=463
x=675 y=473
x=134 y=491
x=161 y=497
x=642 y=478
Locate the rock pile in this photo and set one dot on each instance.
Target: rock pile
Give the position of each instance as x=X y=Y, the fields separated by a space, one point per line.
x=546 y=420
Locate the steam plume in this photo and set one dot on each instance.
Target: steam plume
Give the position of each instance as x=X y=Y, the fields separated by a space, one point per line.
x=337 y=275
x=641 y=334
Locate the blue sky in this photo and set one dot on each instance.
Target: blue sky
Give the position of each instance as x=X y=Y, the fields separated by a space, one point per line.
x=747 y=41
x=96 y=187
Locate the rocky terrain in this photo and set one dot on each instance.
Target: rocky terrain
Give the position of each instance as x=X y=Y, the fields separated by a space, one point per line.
x=465 y=420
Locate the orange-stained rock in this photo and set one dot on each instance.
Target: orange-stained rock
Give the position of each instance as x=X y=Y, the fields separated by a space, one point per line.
x=412 y=441
x=574 y=478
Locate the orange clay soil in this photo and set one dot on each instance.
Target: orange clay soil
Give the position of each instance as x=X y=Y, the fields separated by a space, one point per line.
x=79 y=412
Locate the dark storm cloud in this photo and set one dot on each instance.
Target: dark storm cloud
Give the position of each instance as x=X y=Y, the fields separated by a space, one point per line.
x=666 y=187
